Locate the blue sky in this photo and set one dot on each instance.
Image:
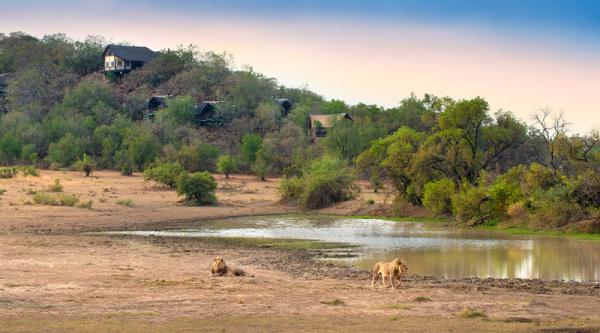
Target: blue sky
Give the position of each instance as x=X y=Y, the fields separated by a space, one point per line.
x=575 y=16
x=519 y=55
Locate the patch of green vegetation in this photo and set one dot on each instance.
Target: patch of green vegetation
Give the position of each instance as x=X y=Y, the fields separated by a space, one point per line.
x=8 y=172
x=29 y=170
x=125 y=202
x=56 y=187
x=470 y=313
x=2 y=191
x=397 y=306
x=42 y=198
x=336 y=302
x=276 y=243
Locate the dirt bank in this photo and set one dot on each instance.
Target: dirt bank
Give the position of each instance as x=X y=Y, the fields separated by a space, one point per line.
x=54 y=278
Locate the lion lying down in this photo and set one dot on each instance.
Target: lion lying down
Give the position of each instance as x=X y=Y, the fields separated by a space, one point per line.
x=393 y=269
x=219 y=268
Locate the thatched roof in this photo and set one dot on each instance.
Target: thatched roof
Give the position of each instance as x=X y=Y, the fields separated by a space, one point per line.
x=327 y=120
x=131 y=53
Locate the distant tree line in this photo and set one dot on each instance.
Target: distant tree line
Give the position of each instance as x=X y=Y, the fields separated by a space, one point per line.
x=454 y=157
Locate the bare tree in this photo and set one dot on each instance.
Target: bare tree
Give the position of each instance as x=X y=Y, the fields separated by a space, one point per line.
x=552 y=129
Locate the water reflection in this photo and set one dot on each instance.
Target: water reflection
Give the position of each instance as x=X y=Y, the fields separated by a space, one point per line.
x=429 y=248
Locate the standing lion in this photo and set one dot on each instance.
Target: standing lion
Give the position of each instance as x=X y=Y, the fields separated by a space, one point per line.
x=219 y=268
x=394 y=269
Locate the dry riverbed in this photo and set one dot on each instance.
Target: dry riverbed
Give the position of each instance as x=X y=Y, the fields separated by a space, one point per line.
x=55 y=277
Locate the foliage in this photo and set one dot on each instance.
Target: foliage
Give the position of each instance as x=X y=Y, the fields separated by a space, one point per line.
x=198 y=157
x=125 y=203
x=438 y=195
x=198 y=188
x=326 y=181
x=29 y=170
x=55 y=187
x=85 y=165
x=164 y=173
x=251 y=143
x=226 y=165
x=42 y=198
x=65 y=151
x=8 y=172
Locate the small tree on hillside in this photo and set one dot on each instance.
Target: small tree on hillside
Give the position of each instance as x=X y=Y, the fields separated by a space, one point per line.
x=226 y=165
x=198 y=188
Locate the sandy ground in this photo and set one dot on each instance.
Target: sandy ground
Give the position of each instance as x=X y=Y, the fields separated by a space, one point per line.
x=56 y=278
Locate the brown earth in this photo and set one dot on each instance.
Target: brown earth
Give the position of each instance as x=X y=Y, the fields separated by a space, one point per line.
x=55 y=278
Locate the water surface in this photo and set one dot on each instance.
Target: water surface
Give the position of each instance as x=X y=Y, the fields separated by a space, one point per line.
x=429 y=248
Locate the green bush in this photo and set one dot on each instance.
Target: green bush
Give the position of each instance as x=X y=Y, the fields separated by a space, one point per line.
x=251 y=143
x=198 y=157
x=164 y=173
x=555 y=206
x=467 y=204
x=198 y=188
x=438 y=196
x=260 y=169
x=125 y=202
x=226 y=165
x=65 y=151
x=42 y=198
x=326 y=181
x=2 y=191
x=29 y=170
x=56 y=187
x=85 y=165
x=290 y=189
x=8 y=172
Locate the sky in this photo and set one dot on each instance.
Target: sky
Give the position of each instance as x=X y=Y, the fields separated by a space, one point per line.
x=520 y=55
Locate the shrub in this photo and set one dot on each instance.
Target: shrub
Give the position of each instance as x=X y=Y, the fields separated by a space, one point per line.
x=467 y=203
x=69 y=200
x=438 y=196
x=260 y=169
x=125 y=202
x=556 y=206
x=290 y=189
x=29 y=170
x=226 y=165
x=326 y=181
x=198 y=188
x=198 y=157
x=65 y=151
x=164 y=173
x=516 y=210
x=8 y=172
x=85 y=165
x=56 y=187
x=86 y=204
x=42 y=198
x=251 y=143
x=2 y=191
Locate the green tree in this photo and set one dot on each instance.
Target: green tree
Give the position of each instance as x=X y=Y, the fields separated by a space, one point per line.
x=437 y=196
x=66 y=151
x=251 y=143
x=226 y=165
x=198 y=188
